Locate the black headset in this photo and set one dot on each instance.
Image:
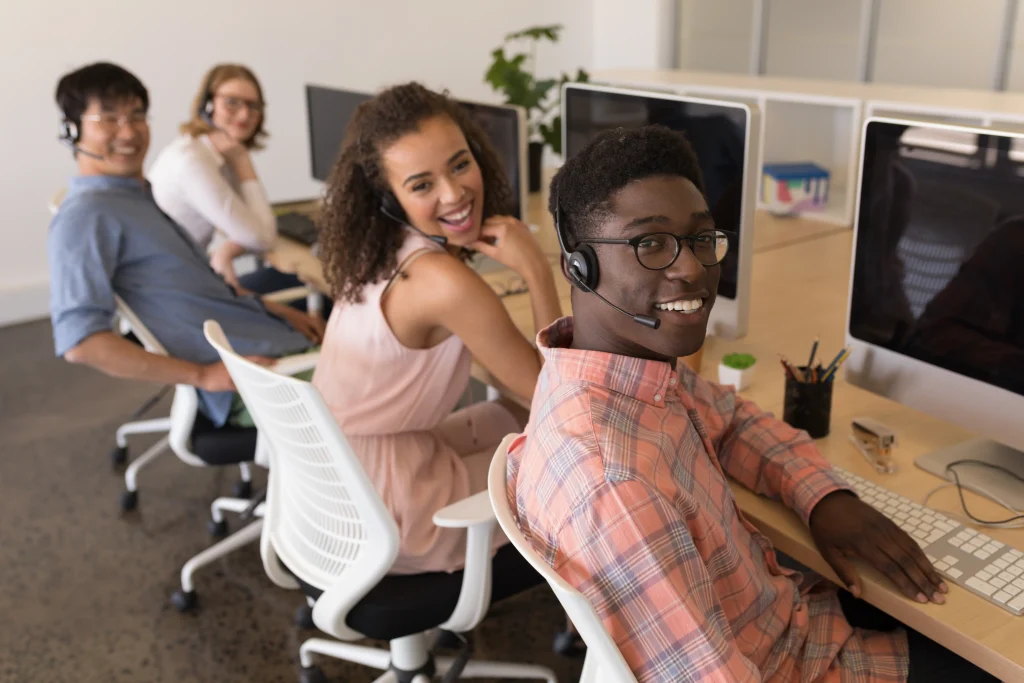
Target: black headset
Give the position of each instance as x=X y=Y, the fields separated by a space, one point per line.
x=584 y=271
x=581 y=262
x=69 y=132
x=205 y=109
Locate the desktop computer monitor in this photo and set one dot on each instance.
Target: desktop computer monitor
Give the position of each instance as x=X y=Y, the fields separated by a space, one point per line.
x=329 y=111
x=505 y=126
x=723 y=135
x=936 y=309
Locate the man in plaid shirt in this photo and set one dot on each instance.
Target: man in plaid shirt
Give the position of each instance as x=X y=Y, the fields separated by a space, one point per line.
x=620 y=480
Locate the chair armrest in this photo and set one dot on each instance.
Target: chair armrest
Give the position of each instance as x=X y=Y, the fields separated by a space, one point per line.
x=466 y=513
x=475 y=514
x=284 y=296
x=292 y=365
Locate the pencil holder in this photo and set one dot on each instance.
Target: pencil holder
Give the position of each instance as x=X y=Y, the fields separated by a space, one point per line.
x=808 y=406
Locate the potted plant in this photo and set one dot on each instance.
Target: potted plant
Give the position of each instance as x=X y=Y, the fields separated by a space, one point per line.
x=737 y=369
x=514 y=76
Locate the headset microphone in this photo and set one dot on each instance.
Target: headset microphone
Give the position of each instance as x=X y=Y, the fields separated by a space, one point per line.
x=399 y=217
x=582 y=265
x=68 y=137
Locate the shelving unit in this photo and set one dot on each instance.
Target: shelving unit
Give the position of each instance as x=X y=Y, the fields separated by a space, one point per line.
x=820 y=121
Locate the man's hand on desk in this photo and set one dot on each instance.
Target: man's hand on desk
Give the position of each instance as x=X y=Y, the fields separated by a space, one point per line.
x=845 y=527
x=311 y=328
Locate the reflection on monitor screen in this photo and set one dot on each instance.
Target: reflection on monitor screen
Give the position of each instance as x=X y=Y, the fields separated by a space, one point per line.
x=717 y=133
x=505 y=129
x=940 y=244
x=329 y=111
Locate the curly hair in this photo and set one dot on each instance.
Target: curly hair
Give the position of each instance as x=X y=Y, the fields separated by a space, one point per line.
x=358 y=243
x=582 y=189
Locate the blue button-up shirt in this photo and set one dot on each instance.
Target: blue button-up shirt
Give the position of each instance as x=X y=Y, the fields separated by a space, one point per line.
x=109 y=237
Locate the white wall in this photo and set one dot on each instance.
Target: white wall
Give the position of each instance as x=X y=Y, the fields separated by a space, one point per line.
x=814 y=39
x=715 y=36
x=358 y=45
x=946 y=43
x=633 y=33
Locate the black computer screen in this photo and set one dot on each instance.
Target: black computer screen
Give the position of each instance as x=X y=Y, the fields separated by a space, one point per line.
x=501 y=124
x=329 y=112
x=939 y=256
x=717 y=133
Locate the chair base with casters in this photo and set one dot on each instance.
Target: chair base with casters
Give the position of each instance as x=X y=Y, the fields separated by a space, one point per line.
x=205 y=445
x=405 y=610
x=185 y=598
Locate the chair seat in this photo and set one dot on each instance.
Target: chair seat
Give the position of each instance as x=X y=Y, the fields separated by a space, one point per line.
x=402 y=605
x=222 y=445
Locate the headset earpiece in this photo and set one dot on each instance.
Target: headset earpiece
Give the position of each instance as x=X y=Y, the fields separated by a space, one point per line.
x=69 y=131
x=581 y=263
x=583 y=266
x=390 y=207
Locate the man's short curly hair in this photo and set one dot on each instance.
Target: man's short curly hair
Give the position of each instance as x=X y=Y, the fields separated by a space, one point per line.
x=582 y=189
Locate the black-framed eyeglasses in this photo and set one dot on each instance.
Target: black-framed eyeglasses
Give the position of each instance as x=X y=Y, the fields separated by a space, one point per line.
x=659 y=250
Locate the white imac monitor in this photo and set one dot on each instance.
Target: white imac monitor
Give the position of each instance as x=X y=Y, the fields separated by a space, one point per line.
x=724 y=135
x=505 y=126
x=936 y=310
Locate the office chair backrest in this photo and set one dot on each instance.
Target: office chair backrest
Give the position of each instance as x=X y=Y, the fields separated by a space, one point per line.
x=604 y=661
x=324 y=519
x=137 y=328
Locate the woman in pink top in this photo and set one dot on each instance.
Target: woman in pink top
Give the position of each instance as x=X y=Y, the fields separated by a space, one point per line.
x=416 y=185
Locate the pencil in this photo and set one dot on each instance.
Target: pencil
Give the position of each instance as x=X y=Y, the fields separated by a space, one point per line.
x=814 y=351
x=829 y=375
x=832 y=364
x=787 y=369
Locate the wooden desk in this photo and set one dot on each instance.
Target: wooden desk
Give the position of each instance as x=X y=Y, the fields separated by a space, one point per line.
x=799 y=290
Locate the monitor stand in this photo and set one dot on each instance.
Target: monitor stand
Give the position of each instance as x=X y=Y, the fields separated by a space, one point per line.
x=986 y=481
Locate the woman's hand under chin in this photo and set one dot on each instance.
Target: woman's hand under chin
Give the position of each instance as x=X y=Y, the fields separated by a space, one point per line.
x=508 y=241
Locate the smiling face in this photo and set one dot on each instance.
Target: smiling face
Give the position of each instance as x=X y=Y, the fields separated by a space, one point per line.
x=118 y=133
x=237 y=108
x=680 y=296
x=437 y=181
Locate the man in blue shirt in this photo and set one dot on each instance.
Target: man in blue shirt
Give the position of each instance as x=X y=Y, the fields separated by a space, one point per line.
x=110 y=238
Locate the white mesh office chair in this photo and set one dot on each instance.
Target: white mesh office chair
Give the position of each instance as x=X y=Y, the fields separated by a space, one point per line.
x=327 y=531
x=604 y=663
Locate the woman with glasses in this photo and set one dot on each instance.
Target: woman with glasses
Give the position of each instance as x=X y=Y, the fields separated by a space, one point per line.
x=206 y=182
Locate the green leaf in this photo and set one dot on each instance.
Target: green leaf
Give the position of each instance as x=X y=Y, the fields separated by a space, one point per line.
x=537 y=33
x=552 y=134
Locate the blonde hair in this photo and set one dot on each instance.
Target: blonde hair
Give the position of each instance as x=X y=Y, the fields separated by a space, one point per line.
x=213 y=79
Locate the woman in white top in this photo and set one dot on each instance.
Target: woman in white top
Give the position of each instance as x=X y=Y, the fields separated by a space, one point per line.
x=206 y=182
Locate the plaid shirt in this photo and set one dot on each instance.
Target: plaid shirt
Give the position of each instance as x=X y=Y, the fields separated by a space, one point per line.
x=620 y=484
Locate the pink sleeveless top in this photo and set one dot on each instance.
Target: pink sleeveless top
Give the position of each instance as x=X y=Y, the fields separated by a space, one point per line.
x=394 y=404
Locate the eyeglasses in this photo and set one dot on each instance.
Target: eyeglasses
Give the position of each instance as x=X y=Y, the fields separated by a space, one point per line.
x=111 y=123
x=514 y=285
x=659 y=250
x=234 y=104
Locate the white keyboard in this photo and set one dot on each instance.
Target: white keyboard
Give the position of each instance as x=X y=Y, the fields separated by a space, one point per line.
x=967 y=557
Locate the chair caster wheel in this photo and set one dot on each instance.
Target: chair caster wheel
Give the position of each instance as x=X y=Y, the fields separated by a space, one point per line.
x=242 y=489
x=312 y=674
x=217 y=529
x=129 y=500
x=304 y=617
x=183 y=601
x=119 y=456
x=568 y=644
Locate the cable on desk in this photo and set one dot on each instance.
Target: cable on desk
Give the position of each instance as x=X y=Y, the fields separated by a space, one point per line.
x=1009 y=523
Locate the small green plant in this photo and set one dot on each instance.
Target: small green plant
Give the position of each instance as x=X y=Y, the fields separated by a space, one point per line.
x=515 y=77
x=738 y=361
